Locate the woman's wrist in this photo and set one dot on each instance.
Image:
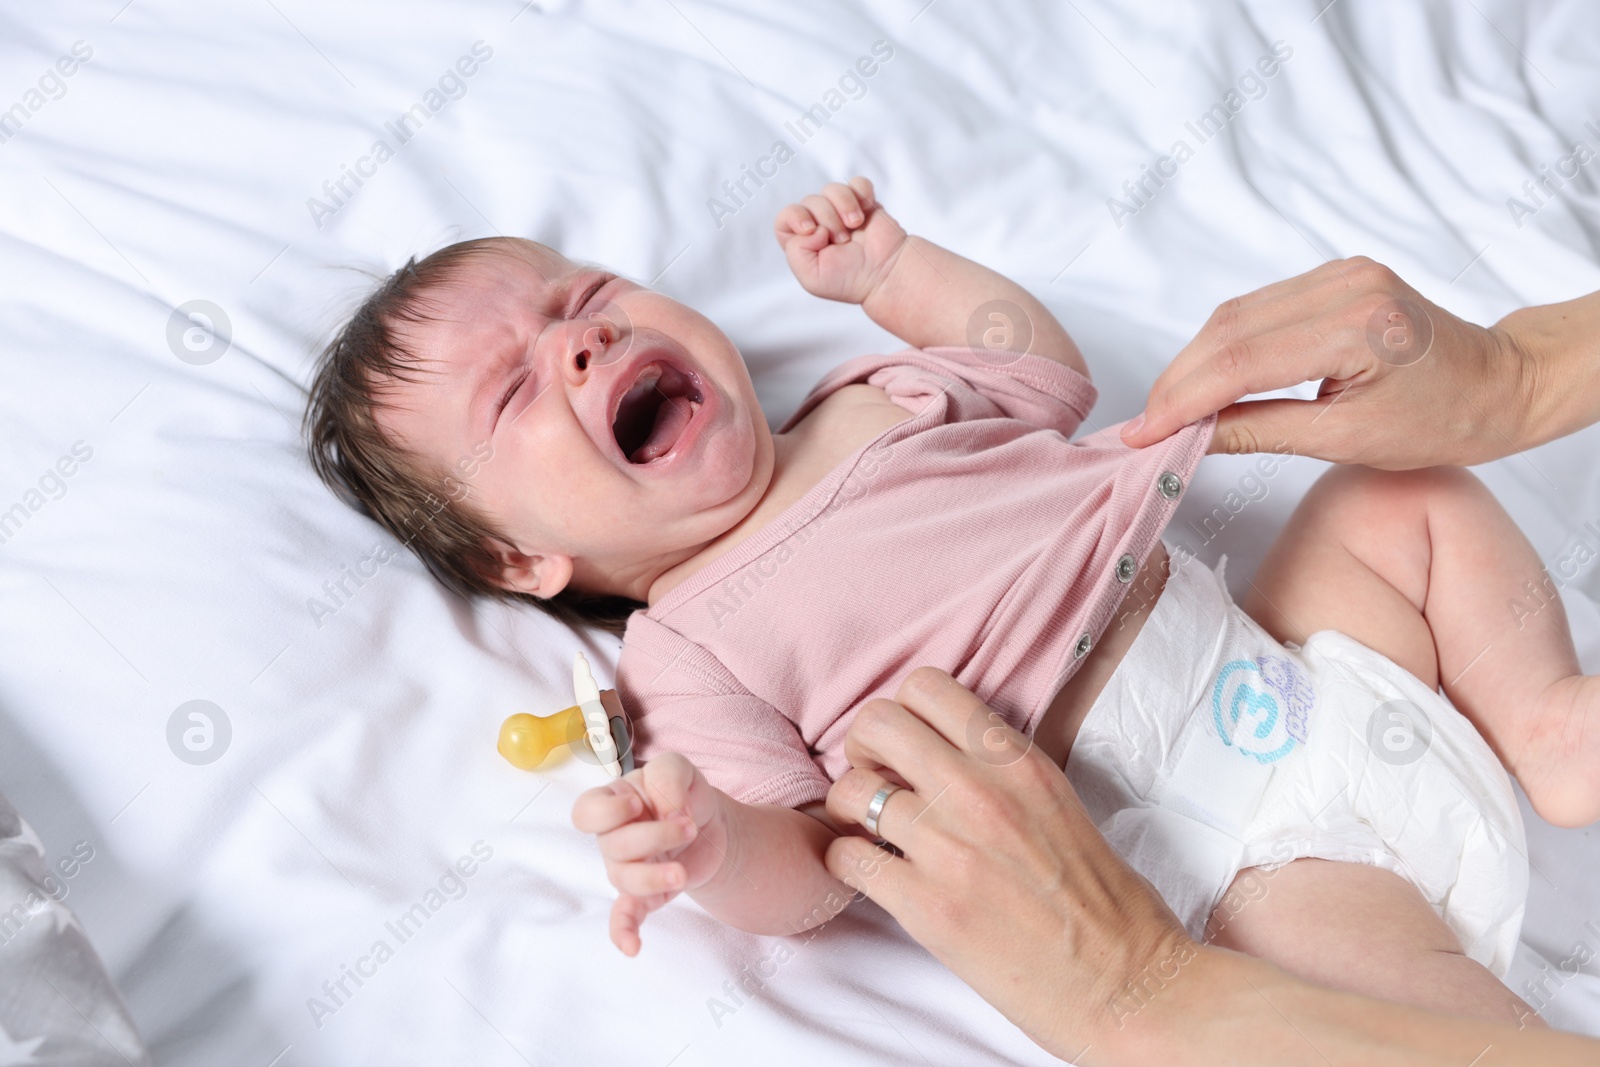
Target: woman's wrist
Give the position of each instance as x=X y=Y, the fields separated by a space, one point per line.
x=1550 y=358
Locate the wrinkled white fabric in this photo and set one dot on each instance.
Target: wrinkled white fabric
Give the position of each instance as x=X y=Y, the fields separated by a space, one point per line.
x=180 y=562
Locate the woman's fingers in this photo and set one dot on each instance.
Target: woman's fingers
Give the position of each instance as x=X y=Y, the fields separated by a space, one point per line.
x=849 y=799
x=1303 y=351
x=889 y=880
x=884 y=734
x=1007 y=879
x=1301 y=329
x=945 y=704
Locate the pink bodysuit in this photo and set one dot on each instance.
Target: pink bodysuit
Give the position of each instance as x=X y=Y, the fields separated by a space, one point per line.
x=973 y=536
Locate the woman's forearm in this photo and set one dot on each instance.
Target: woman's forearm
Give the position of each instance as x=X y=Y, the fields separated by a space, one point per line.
x=1220 y=1007
x=773 y=880
x=1557 y=360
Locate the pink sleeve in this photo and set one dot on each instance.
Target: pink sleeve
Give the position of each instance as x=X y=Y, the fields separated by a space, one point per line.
x=983 y=383
x=684 y=700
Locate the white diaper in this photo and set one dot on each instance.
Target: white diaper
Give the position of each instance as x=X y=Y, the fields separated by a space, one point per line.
x=1214 y=748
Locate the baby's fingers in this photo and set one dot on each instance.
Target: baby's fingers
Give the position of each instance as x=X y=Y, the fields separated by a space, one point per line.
x=647 y=879
x=846 y=202
x=627 y=915
x=864 y=191
x=794 y=219
x=827 y=215
x=606 y=807
x=640 y=840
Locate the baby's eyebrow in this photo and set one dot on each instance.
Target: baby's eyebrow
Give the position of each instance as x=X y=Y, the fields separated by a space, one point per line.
x=480 y=394
x=557 y=296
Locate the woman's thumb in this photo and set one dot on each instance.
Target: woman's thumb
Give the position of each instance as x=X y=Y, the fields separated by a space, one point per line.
x=1280 y=425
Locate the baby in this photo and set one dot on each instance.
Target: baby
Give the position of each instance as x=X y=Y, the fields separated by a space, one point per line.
x=1287 y=775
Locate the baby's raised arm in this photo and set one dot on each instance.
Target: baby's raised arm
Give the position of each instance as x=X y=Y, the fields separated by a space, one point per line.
x=842 y=245
x=664 y=829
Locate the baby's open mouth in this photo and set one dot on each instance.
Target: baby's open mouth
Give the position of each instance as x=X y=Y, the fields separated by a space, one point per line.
x=654 y=413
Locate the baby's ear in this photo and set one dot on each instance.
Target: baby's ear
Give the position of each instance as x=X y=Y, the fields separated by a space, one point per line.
x=543 y=576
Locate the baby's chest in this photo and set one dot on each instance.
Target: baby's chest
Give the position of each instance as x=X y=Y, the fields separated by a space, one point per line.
x=835 y=428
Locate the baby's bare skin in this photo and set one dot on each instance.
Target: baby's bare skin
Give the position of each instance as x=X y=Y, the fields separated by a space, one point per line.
x=1058 y=726
x=613 y=525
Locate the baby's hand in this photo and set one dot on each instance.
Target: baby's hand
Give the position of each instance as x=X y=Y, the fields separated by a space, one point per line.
x=840 y=244
x=662 y=830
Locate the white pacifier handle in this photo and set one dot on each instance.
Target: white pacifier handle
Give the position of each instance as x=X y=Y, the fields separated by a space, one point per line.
x=597 y=723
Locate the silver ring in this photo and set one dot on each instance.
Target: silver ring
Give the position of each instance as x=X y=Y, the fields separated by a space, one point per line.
x=875 y=807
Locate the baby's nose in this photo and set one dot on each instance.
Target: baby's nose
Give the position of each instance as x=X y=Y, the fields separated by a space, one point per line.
x=594 y=345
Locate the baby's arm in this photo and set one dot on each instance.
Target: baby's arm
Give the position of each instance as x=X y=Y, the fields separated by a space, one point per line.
x=664 y=829
x=842 y=245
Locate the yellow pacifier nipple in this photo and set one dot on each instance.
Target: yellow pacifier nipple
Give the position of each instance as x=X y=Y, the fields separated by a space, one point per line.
x=525 y=740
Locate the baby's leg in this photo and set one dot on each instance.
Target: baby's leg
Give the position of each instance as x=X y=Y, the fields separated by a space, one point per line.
x=1361 y=929
x=1427 y=568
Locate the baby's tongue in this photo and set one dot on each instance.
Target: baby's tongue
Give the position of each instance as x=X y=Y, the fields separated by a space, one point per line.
x=671 y=417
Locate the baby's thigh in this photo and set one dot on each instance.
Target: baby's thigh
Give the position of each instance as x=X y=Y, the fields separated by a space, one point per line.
x=1354 y=557
x=1361 y=929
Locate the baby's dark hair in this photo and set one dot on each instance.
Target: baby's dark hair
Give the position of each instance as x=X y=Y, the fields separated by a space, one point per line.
x=416 y=504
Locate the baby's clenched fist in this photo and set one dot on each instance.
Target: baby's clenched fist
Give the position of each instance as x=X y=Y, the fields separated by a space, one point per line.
x=840 y=243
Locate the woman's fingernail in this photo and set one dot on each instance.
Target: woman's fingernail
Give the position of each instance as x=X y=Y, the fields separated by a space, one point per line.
x=1133 y=425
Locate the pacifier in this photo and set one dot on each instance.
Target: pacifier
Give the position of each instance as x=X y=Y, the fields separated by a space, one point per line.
x=597 y=721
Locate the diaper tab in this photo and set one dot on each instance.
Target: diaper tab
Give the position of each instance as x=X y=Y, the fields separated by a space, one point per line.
x=1213 y=782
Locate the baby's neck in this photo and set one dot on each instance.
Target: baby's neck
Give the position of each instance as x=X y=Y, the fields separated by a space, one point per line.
x=840 y=423
x=756 y=518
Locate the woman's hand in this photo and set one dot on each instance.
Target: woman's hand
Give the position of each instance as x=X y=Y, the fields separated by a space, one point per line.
x=840 y=244
x=1004 y=877
x=1006 y=880
x=1404 y=383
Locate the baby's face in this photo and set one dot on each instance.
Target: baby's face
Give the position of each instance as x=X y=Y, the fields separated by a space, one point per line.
x=621 y=429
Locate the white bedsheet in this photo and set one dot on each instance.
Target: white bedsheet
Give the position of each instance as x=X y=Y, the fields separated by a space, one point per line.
x=179 y=560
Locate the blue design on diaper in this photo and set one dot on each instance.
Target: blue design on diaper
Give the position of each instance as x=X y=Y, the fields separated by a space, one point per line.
x=1250 y=718
x=1293 y=688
